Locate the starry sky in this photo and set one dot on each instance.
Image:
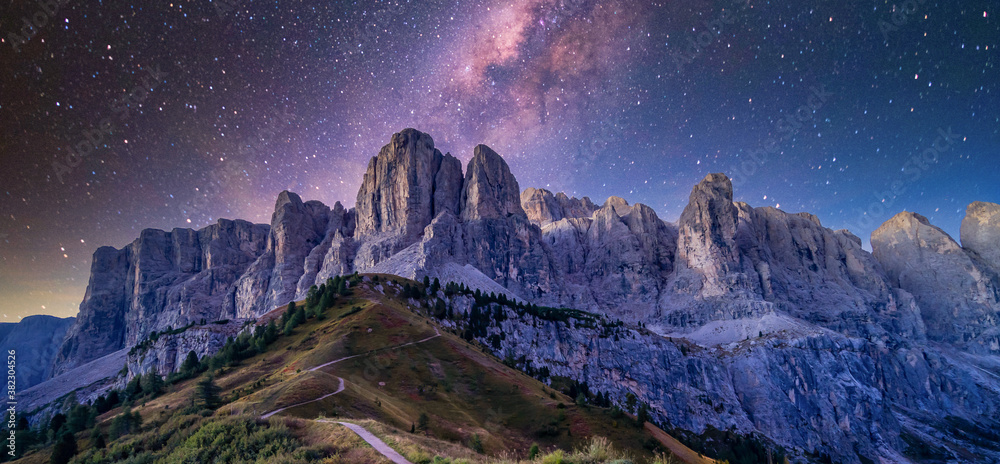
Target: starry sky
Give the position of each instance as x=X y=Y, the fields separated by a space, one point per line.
x=204 y=109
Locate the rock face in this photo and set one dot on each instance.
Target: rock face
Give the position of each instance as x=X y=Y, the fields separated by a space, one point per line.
x=706 y=240
x=405 y=186
x=980 y=232
x=818 y=390
x=542 y=207
x=36 y=340
x=957 y=295
x=167 y=353
x=491 y=191
x=751 y=318
x=163 y=279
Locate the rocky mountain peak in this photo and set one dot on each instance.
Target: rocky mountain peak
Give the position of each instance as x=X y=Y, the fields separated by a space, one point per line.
x=980 y=232
x=618 y=205
x=406 y=185
x=543 y=207
x=707 y=228
x=491 y=191
x=958 y=300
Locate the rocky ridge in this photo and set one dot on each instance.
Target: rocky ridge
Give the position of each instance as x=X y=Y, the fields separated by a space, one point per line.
x=859 y=349
x=35 y=340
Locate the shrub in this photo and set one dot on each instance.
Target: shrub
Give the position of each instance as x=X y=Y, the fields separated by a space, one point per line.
x=476 y=443
x=555 y=457
x=533 y=451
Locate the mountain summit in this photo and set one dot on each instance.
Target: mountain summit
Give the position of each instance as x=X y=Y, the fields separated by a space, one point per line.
x=751 y=320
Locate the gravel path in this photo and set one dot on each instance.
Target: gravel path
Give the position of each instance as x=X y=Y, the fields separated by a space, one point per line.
x=341 y=387
x=376 y=443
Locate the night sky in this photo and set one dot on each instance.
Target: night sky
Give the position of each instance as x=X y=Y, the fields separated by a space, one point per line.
x=850 y=110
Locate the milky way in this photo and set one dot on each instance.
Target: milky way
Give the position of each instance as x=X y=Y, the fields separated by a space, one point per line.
x=202 y=110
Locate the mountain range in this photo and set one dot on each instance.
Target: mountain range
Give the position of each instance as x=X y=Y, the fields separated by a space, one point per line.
x=738 y=318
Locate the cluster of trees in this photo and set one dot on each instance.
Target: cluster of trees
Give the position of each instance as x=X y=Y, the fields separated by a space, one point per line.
x=727 y=445
x=58 y=430
x=61 y=429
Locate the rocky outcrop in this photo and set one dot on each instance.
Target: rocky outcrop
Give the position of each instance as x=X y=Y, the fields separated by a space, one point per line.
x=35 y=340
x=491 y=191
x=166 y=354
x=706 y=242
x=163 y=279
x=301 y=233
x=980 y=233
x=807 y=390
x=759 y=320
x=405 y=186
x=957 y=296
x=542 y=207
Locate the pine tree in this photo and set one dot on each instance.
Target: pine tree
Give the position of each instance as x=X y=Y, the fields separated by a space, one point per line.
x=643 y=416
x=208 y=393
x=271 y=332
x=151 y=383
x=440 y=309
x=64 y=450
x=191 y=364
x=423 y=422
x=287 y=315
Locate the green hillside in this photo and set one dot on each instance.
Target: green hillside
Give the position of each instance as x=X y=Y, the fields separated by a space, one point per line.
x=375 y=361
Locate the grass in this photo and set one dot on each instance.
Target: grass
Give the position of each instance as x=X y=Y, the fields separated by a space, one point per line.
x=464 y=391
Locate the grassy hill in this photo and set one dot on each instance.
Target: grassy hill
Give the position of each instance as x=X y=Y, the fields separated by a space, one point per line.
x=425 y=391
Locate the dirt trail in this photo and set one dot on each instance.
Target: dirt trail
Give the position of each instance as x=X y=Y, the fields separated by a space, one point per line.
x=376 y=443
x=379 y=445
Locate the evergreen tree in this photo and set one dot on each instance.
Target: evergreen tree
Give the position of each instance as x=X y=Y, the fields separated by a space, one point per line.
x=427 y=282
x=57 y=422
x=64 y=450
x=643 y=416
x=435 y=286
x=191 y=365
x=125 y=423
x=342 y=288
x=79 y=418
x=440 y=309
x=423 y=422
x=630 y=401
x=325 y=302
x=208 y=393
x=311 y=296
x=133 y=389
x=271 y=332
x=287 y=315
x=152 y=383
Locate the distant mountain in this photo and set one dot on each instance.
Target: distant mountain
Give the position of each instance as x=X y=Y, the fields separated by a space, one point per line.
x=745 y=319
x=36 y=339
